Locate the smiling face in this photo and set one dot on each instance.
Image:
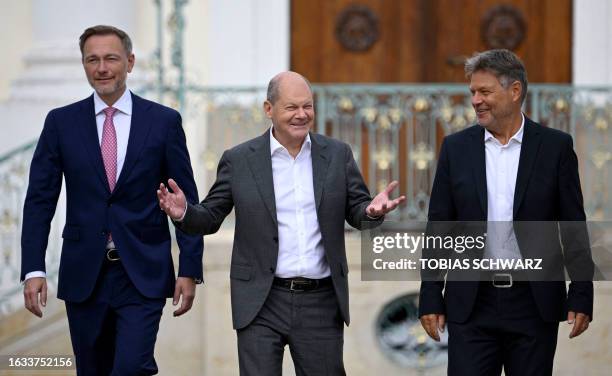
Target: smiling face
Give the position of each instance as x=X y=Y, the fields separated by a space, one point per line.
x=292 y=114
x=106 y=65
x=493 y=103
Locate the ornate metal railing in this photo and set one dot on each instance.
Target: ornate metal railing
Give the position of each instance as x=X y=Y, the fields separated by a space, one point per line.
x=394 y=130
x=14 y=169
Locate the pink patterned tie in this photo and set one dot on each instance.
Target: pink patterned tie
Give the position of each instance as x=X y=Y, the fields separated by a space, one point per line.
x=109 y=147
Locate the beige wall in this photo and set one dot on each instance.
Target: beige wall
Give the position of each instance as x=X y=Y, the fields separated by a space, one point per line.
x=16 y=37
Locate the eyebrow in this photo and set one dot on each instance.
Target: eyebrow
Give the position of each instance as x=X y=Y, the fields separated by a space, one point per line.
x=481 y=87
x=107 y=55
x=296 y=104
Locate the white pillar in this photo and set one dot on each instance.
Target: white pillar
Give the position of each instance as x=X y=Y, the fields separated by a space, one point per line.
x=592 y=45
x=52 y=75
x=248 y=41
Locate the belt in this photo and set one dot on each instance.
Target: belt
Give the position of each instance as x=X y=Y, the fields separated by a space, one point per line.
x=112 y=255
x=504 y=279
x=301 y=283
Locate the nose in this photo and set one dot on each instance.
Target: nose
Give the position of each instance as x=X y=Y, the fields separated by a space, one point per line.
x=101 y=68
x=300 y=113
x=476 y=99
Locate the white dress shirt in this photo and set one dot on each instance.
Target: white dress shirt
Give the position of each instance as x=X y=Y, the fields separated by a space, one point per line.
x=122 y=120
x=502 y=163
x=300 y=246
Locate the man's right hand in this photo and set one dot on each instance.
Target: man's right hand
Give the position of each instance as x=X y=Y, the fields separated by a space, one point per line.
x=432 y=323
x=35 y=291
x=173 y=203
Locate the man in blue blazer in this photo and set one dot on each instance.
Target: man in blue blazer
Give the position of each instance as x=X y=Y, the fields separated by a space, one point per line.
x=508 y=168
x=116 y=268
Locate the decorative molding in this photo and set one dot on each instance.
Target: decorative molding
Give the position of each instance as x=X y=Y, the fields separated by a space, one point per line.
x=503 y=26
x=357 y=28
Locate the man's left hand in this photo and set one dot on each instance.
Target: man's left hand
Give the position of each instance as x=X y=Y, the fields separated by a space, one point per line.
x=186 y=287
x=382 y=204
x=580 y=321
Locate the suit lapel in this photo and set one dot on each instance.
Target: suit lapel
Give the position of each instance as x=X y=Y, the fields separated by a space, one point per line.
x=89 y=133
x=320 y=164
x=529 y=151
x=260 y=163
x=140 y=127
x=479 y=168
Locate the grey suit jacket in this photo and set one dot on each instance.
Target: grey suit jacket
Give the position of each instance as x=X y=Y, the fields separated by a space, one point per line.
x=244 y=181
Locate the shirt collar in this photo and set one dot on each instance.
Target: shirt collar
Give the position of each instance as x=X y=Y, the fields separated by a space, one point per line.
x=518 y=136
x=123 y=104
x=276 y=146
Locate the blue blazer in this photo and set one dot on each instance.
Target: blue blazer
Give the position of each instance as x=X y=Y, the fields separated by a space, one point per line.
x=547 y=189
x=69 y=147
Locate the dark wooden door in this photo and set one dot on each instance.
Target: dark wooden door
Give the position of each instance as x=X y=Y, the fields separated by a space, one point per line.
x=426 y=40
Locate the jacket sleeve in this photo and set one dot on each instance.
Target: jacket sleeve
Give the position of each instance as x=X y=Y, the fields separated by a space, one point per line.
x=441 y=208
x=207 y=216
x=44 y=187
x=358 y=196
x=179 y=168
x=574 y=234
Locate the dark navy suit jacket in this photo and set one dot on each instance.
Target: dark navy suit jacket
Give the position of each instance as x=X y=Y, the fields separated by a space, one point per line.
x=547 y=189
x=69 y=147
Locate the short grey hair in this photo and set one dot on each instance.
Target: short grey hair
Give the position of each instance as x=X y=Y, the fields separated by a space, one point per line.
x=503 y=64
x=274 y=87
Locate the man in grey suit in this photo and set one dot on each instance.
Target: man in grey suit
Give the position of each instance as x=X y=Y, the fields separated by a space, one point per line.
x=292 y=191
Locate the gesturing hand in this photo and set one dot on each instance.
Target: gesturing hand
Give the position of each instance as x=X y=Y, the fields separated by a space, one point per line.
x=382 y=204
x=173 y=203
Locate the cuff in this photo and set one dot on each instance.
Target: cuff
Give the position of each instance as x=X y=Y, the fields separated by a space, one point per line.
x=182 y=216
x=35 y=274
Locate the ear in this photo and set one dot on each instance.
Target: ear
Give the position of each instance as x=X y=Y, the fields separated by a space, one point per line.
x=517 y=90
x=267 y=107
x=131 y=61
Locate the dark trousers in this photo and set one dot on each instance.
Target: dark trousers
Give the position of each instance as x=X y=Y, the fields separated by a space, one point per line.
x=309 y=322
x=113 y=332
x=504 y=330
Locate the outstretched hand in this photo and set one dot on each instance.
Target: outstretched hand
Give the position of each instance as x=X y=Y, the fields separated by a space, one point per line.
x=173 y=203
x=382 y=204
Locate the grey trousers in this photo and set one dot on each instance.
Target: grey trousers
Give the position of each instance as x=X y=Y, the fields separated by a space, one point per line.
x=309 y=322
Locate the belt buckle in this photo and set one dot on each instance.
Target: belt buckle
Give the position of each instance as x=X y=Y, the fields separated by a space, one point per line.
x=112 y=255
x=295 y=283
x=502 y=286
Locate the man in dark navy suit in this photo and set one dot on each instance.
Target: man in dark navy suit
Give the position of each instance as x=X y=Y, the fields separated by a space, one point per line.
x=116 y=268
x=508 y=168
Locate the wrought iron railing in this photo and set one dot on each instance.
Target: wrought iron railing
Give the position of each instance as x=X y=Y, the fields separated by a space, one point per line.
x=14 y=169
x=394 y=130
